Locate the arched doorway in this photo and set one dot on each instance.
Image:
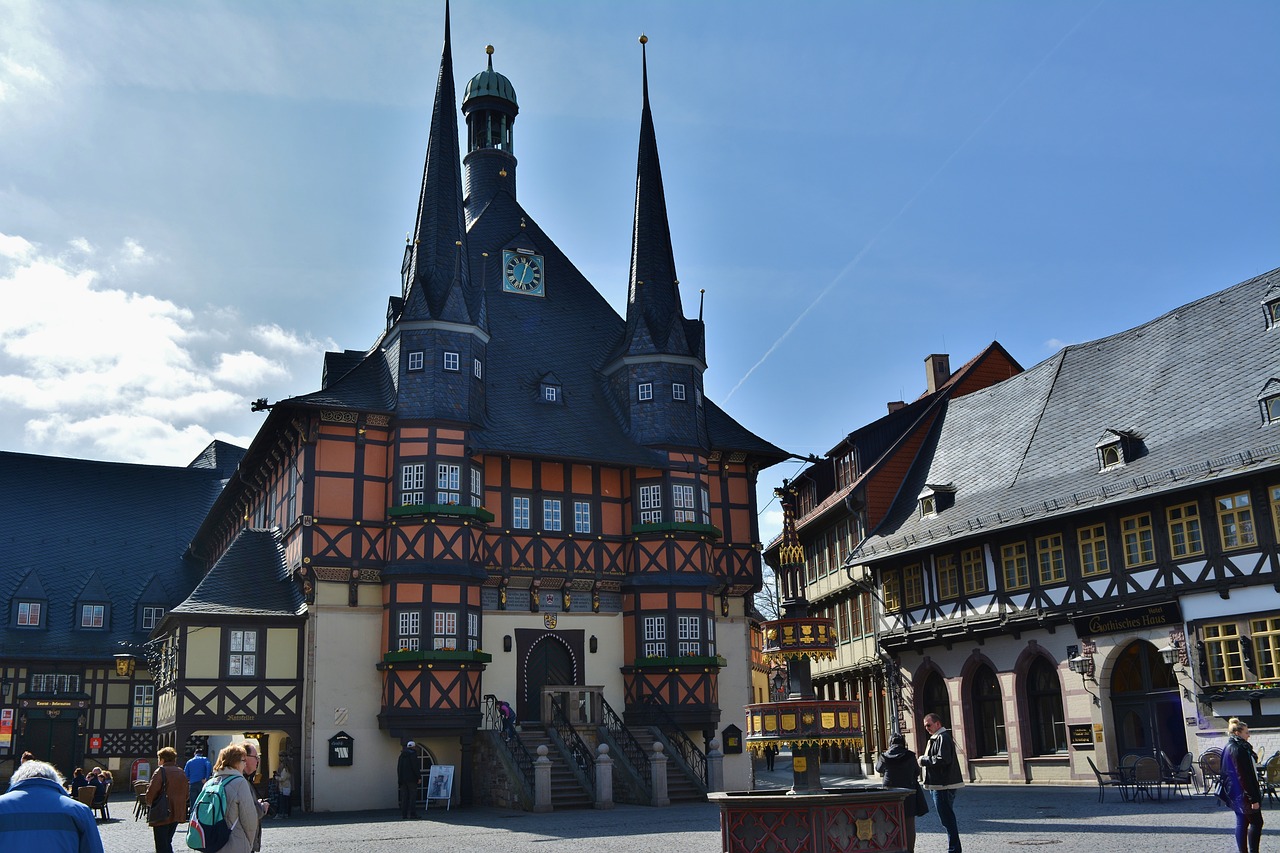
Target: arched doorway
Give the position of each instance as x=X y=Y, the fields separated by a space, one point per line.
x=1146 y=704
x=934 y=699
x=549 y=662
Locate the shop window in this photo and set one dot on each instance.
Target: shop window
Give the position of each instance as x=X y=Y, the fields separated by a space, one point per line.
x=1093 y=550
x=1185 y=538
x=1139 y=540
x=1222 y=652
x=988 y=713
x=1235 y=521
x=974 y=569
x=1044 y=701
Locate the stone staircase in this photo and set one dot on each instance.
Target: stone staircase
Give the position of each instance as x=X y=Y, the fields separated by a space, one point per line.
x=680 y=788
x=566 y=791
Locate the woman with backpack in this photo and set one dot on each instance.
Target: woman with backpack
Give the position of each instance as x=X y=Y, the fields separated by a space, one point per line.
x=242 y=806
x=166 y=799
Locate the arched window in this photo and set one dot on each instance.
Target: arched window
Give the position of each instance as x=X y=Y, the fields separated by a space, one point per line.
x=1044 y=701
x=988 y=713
x=935 y=699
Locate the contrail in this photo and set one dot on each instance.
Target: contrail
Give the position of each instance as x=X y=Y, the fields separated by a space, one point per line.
x=849 y=267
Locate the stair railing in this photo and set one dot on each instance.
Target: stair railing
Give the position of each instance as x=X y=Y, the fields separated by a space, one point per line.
x=584 y=757
x=631 y=748
x=519 y=753
x=693 y=757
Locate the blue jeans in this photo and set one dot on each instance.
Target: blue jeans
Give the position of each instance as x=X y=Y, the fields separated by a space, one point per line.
x=1248 y=829
x=944 y=802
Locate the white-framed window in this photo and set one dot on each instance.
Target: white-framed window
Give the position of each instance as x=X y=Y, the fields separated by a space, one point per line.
x=477 y=367
x=646 y=390
x=551 y=393
x=689 y=639
x=451 y=361
x=677 y=390
x=655 y=636
x=144 y=706
x=409 y=628
x=92 y=615
x=444 y=629
x=520 y=513
x=415 y=360
x=706 y=506
x=581 y=517
x=242 y=653
x=413 y=479
x=151 y=617
x=650 y=504
x=55 y=683
x=448 y=481
x=697 y=396
x=711 y=636
x=477 y=488
x=551 y=514
x=29 y=614
x=682 y=501
x=473 y=631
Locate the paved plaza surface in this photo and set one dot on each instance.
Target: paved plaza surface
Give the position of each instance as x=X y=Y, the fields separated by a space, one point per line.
x=993 y=819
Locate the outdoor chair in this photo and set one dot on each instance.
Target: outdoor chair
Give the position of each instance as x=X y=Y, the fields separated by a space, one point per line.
x=1210 y=768
x=1269 y=776
x=98 y=803
x=140 y=800
x=1180 y=775
x=1110 y=779
x=1147 y=778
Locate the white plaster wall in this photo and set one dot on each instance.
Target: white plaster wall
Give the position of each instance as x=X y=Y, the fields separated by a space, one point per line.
x=733 y=643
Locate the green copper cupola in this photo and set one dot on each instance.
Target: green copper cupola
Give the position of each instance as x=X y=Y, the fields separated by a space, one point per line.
x=489 y=105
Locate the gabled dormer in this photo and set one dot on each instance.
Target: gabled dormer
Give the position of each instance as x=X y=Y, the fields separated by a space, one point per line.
x=29 y=607
x=93 y=606
x=935 y=499
x=1117 y=448
x=550 y=390
x=1271 y=306
x=1269 y=401
x=151 y=605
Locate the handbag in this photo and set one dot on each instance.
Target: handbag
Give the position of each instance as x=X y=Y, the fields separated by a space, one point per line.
x=922 y=801
x=158 y=811
x=1223 y=793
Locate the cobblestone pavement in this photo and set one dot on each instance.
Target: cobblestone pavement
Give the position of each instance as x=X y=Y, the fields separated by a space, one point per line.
x=993 y=819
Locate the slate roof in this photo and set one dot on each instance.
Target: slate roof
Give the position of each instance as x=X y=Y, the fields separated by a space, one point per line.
x=220 y=456
x=251 y=578
x=1184 y=385
x=73 y=526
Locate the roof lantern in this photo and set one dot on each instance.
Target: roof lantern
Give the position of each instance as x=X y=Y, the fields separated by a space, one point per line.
x=489 y=84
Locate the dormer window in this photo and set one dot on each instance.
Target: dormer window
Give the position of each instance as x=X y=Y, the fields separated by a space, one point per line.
x=677 y=390
x=415 y=360
x=935 y=498
x=1271 y=305
x=550 y=393
x=1269 y=401
x=1116 y=449
x=451 y=362
x=29 y=614
x=645 y=391
x=93 y=615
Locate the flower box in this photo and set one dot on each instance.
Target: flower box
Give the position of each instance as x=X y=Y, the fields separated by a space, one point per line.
x=685 y=660
x=678 y=527
x=408 y=656
x=443 y=510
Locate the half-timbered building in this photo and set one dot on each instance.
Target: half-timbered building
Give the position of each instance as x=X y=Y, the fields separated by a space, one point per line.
x=841 y=497
x=92 y=558
x=514 y=494
x=1082 y=561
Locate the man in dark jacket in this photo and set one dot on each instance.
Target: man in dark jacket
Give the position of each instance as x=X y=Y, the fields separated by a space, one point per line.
x=37 y=814
x=1240 y=780
x=408 y=775
x=943 y=776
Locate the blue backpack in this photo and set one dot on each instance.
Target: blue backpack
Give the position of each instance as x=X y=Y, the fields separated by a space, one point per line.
x=208 y=830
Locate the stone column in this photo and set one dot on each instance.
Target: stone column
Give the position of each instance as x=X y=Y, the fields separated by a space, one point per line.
x=715 y=766
x=604 y=777
x=542 y=781
x=658 y=781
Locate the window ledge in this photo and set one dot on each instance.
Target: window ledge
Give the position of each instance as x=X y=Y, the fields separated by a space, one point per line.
x=678 y=527
x=445 y=510
x=437 y=655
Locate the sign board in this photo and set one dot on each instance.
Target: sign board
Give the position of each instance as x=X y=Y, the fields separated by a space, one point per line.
x=732 y=740
x=95 y=742
x=1167 y=615
x=440 y=784
x=6 y=728
x=140 y=770
x=341 y=750
x=1081 y=735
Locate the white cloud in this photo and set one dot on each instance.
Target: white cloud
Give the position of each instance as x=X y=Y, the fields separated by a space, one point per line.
x=1053 y=344
x=94 y=369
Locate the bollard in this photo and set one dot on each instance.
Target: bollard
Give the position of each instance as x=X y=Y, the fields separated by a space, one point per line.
x=542 y=781
x=715 y=766
x=604 y=777
x=659 y=780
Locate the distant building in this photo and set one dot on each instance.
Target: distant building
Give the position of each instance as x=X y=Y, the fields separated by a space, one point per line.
x=92 y=557
x=1081 y=562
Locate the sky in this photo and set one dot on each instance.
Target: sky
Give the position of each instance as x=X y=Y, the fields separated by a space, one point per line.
x=197 y=199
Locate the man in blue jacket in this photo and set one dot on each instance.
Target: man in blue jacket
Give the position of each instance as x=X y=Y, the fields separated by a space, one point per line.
x=198 y=771
x=37 y=814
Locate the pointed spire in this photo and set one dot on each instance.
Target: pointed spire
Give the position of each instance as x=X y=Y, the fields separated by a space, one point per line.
x=439 y=277
x=653 y=299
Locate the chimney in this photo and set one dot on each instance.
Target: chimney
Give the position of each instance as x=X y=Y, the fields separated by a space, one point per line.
x=896 y=405
x=937 y=370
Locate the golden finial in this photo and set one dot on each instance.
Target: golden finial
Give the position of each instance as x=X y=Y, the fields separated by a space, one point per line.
x=488 y=48
x=502 y=173
x=644 y=39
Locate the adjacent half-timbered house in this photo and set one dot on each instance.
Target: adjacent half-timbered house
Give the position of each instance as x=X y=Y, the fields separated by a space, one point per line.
x=841 y=497
x=513 y=489
x=91 y=560
x=1101 y=577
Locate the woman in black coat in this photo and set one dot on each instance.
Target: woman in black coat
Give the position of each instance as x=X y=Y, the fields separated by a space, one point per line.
x=898 y=769
x=1240 y=780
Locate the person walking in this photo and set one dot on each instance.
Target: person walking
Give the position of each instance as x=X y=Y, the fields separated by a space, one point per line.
x=1240 y=780
x=407 y=778
x=770 y=753
x=197 y=770
x=943 y=776
x=243 y=811
x=898 y=769
x=170 y=782
x=286 y=793
x=37 y=814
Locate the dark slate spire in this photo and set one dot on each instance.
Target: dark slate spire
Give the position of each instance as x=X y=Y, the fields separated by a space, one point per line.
x=438 y=277
x=655 y=321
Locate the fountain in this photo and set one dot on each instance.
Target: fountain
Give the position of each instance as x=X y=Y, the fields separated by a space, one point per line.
x=807 y=818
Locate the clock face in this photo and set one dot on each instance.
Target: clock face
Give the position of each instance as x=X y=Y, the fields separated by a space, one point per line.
x=522 y=272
